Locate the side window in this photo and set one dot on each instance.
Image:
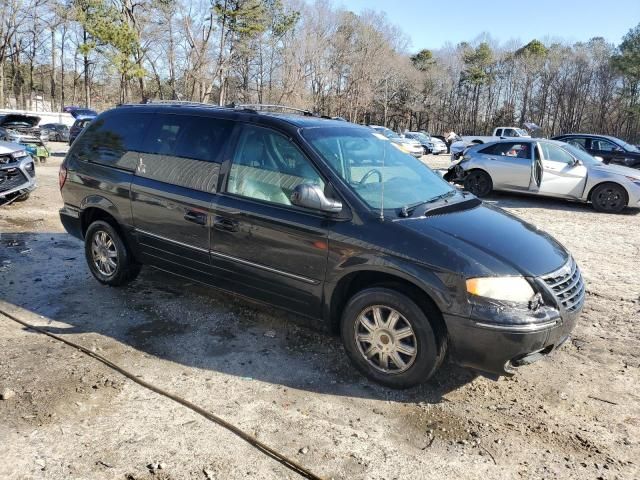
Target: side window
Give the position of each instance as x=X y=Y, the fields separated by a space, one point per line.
x=184 y=150
x=577 y=142
x=555 y=154
x=602 y=145
x=268 y=166
x=113 y=139
x=509 y=149
x=499 y=132
x=509 y=132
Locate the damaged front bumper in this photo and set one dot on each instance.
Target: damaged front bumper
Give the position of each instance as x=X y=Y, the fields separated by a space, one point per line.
x=499 y=349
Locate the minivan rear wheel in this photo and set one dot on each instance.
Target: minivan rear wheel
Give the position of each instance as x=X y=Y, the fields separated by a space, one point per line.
x=389 y=338
x=108 y=257
x=478 y=182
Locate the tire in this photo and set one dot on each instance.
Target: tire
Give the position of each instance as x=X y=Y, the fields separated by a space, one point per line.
x=422 y=351
x=122 y=268
x=22 y=198
x=609 y=197
x=478 y=182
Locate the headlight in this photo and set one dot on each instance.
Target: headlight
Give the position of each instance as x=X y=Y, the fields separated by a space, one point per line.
x=19 y=154
x=510 y=289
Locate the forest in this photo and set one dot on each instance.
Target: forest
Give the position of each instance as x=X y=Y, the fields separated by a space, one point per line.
x=310 y=55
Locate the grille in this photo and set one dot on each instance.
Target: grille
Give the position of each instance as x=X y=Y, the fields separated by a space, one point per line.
x=10 y=179
x=567 y=286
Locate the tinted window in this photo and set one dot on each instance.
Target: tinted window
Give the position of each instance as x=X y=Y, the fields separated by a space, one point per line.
x=603 y=145
x=268 y=166
x=580 y=141
x=508 y=149
x=184 y=150
x=555 y=153
x=113 y=139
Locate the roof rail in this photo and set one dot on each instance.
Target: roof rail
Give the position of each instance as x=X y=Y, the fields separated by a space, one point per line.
x=178 y=103
x=259 y=107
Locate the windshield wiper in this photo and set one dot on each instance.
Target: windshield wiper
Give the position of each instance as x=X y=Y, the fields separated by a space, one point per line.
x=407 y=210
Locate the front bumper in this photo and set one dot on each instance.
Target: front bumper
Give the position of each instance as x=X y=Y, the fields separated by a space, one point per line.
x=17 y=178
x=500 y=351
x=498 y=337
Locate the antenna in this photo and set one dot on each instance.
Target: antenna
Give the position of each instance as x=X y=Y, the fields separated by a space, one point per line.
x=384 y=154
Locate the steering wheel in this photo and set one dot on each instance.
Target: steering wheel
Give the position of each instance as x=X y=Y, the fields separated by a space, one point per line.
x=369 y=173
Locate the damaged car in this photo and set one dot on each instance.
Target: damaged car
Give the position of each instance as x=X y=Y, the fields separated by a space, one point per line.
x=17 y=173
x=546 y=168
x=23 y=129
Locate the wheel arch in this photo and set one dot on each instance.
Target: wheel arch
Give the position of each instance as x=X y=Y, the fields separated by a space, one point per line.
x=356 y=281
x=607 y=182
x=96 y=207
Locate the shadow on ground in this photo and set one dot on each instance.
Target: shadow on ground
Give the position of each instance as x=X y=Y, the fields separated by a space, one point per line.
x=187 y=323
x=514 y=200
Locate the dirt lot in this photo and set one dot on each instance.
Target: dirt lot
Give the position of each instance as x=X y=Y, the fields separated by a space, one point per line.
x=574 y=415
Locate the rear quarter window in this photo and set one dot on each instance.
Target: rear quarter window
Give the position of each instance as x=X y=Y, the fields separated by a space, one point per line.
x=114 y=139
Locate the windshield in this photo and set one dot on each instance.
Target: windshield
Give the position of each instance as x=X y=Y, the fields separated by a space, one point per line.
x=373 y=166
x=628 y=147
x=421 y=137
x=387 y=132
x=581 y=155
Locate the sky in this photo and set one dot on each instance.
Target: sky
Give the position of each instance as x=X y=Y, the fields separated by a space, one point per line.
x=430 y=24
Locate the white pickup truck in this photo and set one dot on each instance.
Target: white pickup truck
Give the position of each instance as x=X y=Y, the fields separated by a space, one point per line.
x=499 y=133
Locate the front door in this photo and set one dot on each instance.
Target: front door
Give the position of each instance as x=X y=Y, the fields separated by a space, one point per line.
x=173 y=189
x=607 y=150
x=268 y=248
x=562 y=176
x=510 y=164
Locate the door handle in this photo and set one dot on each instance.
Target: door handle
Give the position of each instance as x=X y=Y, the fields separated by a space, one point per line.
x=224 y=223
x=196 y=217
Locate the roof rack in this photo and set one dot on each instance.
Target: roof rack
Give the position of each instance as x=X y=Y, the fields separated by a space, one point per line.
x=260 y=107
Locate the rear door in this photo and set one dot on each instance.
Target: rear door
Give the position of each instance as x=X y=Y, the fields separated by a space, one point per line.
x=173 y=188
x=509 y=164
x=562 y=176
x=265 y=247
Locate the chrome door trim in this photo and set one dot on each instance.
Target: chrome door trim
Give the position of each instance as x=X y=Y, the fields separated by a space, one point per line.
x=160 y=237
x=231 y=258
x=263 y=267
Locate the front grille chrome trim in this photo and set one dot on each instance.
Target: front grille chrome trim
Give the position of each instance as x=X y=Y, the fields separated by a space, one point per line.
x=567 y=286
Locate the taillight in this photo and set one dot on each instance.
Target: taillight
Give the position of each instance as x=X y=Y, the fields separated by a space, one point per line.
x=62 y=175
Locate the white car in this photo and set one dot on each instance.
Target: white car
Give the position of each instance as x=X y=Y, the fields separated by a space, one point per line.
x=429 y=143
x=547 y=168
x=407 y=145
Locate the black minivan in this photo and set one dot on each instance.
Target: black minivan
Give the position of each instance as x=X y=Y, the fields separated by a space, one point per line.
x=326 y=219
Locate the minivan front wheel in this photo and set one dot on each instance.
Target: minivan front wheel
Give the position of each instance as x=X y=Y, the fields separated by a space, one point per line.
x=389 y=338
x=108 y=257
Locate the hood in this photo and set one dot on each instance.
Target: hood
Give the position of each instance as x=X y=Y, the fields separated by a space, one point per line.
x=9 y=147
x=15 y=117
x=487 y=241
x=406 y=141
x=77 y=112
x=617 y=169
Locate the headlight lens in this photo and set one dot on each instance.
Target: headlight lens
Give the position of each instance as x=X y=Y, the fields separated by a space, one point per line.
x=509 y=289
x=19 y=154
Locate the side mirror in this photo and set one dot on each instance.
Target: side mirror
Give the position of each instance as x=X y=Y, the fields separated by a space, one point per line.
x=618 y=150
x=311 y=196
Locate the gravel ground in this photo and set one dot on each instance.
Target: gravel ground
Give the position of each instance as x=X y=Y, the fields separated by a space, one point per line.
x=574 y=415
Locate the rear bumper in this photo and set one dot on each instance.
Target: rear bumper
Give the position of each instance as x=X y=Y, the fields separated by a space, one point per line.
x=70 y=219
x=500 y=349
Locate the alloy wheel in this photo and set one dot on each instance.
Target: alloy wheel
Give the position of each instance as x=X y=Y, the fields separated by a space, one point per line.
x=104 y=253
x=386 y=339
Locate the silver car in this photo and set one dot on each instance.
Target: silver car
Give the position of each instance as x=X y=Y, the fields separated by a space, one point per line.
x=17 y=173
x=549 y=168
